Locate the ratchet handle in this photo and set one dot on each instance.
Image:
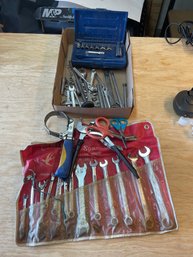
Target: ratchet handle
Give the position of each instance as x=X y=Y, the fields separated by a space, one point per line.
x=64 y=166
x=126 y=162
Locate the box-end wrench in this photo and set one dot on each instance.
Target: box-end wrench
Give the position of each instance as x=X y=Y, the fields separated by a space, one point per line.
x=97 y=215
x=165 y=219
x=114 y=220
x=127 y=215
x=149 y=223
x=82 y=224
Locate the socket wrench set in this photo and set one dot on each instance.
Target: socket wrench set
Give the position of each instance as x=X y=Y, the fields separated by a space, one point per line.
x=113 y=188
x=100 y=39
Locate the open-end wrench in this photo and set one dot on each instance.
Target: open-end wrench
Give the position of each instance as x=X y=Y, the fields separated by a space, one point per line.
x=139 y=188
x=74 y=96
x=82 y=224
x=165 y=219
x=127 y=215
x=114 y=220
x=97 y=215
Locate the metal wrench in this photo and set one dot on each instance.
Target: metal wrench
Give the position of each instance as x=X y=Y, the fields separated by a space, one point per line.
x=127 y=215
x=22 y=228
x=74 y=96
x=57 y=203
x=71 y=213
x=97 y=215
x=114 y=220
x=82 y=224
x=66 y=206
x=41 y=186
x=139 y=188
x=50 y=188
x=41 y=227
x=165 y=219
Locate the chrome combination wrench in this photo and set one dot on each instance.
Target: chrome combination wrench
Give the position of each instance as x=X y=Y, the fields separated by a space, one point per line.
x=48 y=194
x=127 y=216
x=97 y=215
x=82 y=224
x=56 y=211
x=23 y=218
x=114 y=220
x=139 y=189
x=163 y=213
x=71 y=213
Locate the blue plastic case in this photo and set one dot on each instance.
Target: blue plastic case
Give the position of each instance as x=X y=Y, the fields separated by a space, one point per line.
x=100 y=39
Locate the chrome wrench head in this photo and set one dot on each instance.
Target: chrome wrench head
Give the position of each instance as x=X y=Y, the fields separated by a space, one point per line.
x=93 y=163
x=146 y=153
x=102 y=165
x=80 y=174
x=128 y=220
x=115 y=160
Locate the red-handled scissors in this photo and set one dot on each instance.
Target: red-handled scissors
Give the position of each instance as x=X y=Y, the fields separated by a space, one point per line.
x=100 y=131
x=102 y=126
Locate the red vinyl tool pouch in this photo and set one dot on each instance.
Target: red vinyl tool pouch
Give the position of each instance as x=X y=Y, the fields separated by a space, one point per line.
x=103 y=199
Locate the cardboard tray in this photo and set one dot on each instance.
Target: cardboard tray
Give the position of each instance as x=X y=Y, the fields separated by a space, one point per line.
x=122 y=76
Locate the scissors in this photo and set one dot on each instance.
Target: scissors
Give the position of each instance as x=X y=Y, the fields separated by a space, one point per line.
x=119 y=124
x=100 y=131
x=64 y=166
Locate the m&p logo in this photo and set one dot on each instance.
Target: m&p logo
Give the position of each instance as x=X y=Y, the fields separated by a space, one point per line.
x=51 y=12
